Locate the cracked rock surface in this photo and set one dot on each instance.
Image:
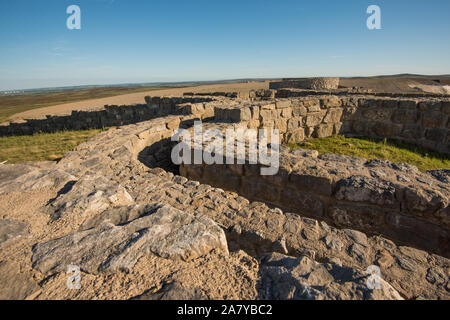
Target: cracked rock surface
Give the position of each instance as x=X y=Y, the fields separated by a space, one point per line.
x=167 y=232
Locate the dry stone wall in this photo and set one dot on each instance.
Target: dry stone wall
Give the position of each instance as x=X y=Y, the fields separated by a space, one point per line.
x=423 y=122
x=110 y=116
x=376 y=197
x=308 y=83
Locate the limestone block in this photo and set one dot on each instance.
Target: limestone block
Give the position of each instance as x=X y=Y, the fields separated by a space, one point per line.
x=407 y=104
x=314 y=119
x=386 y=129
x=323 y=131
x=302 y=202
x=286 y=112
x=281 y=104
x=333 y=116
x=296 y=135
x=436 y=135
x=433 y=119
x=289 y=278
x=299 y=111
x=405 y=116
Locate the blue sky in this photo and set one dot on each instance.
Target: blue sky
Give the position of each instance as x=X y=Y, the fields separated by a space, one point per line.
x=165 y=40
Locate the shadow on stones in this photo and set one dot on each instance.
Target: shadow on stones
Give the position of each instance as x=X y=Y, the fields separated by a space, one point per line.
x=67 y=187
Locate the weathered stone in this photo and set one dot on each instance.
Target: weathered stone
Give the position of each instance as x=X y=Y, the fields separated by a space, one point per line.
x=436 y=276
x=90 y=195
x=333 y=116
x=383 y=129
x=407 y=104
x=412 y=131
x=299 y=111
x=358 y=252
x=405 y=116
x=303 y=202
x=377 y=114
x=287 y=278
x=365 y=189
x=443 y=175
x=296 y=136
x=320 y=181
x=436 y=135
x=23 y=178
x=357 y=236
x=323 y=131
x=385 y=260
x=168 y=232
x=333 y=242
x=433 y=119
x=313 y=119
x=298 y=152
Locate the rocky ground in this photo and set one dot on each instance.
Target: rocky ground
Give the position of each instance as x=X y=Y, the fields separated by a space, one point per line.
x=144 y=233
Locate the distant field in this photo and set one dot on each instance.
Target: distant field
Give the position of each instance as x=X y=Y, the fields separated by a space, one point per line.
x=41 y=147
x=373 y=149
x=12 y=104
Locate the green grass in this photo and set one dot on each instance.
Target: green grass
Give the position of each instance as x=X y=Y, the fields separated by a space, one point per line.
x=13 y=104
x=374 y=149
x=42 y=146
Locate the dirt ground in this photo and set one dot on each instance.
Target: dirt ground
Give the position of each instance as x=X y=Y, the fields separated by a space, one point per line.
x=220 y=276
x=134 y=98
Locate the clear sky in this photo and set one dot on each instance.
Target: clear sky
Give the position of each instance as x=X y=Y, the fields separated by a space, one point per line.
x=124 y=41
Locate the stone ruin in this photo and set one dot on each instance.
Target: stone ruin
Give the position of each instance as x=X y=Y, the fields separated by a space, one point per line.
x=315 y=227
x=306 y=83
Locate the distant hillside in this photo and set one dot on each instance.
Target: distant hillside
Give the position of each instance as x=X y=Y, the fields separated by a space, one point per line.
x=404 y=83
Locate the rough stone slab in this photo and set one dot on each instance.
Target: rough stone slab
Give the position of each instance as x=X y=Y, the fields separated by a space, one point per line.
x=288 y=278
x=24 y=177
x=365 y=189
x=89 y=196
x=168 y=232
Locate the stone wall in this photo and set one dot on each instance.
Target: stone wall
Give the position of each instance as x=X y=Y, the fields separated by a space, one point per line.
x=307 y=83
x=423 y=122
x=296 y=93
x=376 y=197
x=112 y=116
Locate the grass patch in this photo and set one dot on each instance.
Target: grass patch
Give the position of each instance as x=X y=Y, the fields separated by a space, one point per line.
x=12 y=104
x=42 y=146
x=375 y=149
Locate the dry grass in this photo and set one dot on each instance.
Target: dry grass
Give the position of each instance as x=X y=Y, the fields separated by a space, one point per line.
x=42 y=146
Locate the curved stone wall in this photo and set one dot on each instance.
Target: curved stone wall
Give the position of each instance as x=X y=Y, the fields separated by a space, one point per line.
x=423 y=122
x=307 y=83
x=103 y=181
